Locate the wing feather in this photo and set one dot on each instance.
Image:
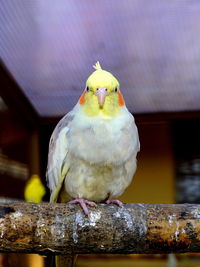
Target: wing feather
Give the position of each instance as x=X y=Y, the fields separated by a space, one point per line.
x=58 y=160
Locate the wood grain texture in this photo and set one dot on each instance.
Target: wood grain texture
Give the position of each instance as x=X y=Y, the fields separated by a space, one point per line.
x=64 y=229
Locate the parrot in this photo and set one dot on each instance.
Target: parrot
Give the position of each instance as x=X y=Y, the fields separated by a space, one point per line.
x=34 y=190
x=93 y=148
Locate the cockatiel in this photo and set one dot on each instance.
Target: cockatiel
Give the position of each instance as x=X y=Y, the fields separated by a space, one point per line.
x=92 y=151
x=34 y=189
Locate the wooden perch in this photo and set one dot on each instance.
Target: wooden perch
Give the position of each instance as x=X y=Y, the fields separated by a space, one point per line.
x=135 y=228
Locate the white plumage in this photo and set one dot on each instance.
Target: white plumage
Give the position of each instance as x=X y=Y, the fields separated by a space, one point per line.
x=92 y=157
x=92 y=151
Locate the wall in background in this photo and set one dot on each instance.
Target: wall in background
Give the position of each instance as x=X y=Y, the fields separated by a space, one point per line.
x=154 y=178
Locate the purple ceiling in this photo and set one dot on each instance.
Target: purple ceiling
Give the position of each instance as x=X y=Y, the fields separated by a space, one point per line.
x=152 y=47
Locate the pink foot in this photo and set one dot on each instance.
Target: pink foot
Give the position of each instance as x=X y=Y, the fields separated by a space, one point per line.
x=83 y=203
x=114 y=201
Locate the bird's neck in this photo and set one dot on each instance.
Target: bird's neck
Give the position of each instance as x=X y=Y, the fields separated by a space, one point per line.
x=105 y=111
x=91 y=107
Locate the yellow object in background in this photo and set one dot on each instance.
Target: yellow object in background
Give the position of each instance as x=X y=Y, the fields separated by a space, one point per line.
x=34 y=189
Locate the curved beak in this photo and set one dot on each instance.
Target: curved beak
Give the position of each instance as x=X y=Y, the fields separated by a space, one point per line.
x=101 y=93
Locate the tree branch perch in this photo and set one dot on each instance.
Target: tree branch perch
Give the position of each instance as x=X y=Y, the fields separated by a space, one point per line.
x=64 y=229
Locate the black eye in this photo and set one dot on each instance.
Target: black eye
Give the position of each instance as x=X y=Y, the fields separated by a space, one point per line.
x=115 y=90
x=87 y=89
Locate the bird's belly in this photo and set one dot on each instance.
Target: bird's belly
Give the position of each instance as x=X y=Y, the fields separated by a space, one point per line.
x=101 y=145
x=94 y=182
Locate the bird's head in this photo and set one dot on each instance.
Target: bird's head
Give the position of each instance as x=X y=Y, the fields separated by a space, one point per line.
x=102 y=94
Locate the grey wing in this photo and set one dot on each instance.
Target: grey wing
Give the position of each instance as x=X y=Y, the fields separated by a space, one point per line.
x=131 y=163
x=129 y=147
x=132 y=140
x=58 y=163
x=136 y=137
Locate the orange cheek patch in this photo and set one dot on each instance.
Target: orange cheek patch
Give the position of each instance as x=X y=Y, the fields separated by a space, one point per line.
x=82 y=98
x=121 y=99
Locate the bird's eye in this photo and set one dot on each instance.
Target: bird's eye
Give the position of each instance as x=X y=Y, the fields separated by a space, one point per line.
x=87 y=89
x=115 y=90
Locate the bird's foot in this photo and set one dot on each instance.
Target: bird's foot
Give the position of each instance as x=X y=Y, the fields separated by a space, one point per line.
x=83 y=203
x=114 y=201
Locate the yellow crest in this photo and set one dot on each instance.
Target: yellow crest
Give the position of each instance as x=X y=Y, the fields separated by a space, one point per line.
x=97 y=66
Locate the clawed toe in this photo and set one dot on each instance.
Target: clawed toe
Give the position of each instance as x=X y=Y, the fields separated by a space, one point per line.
x=90 y=203
x=115 y=201
x=83 y=203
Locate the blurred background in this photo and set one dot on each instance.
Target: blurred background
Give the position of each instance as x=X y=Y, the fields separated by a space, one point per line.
x=47 y=49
